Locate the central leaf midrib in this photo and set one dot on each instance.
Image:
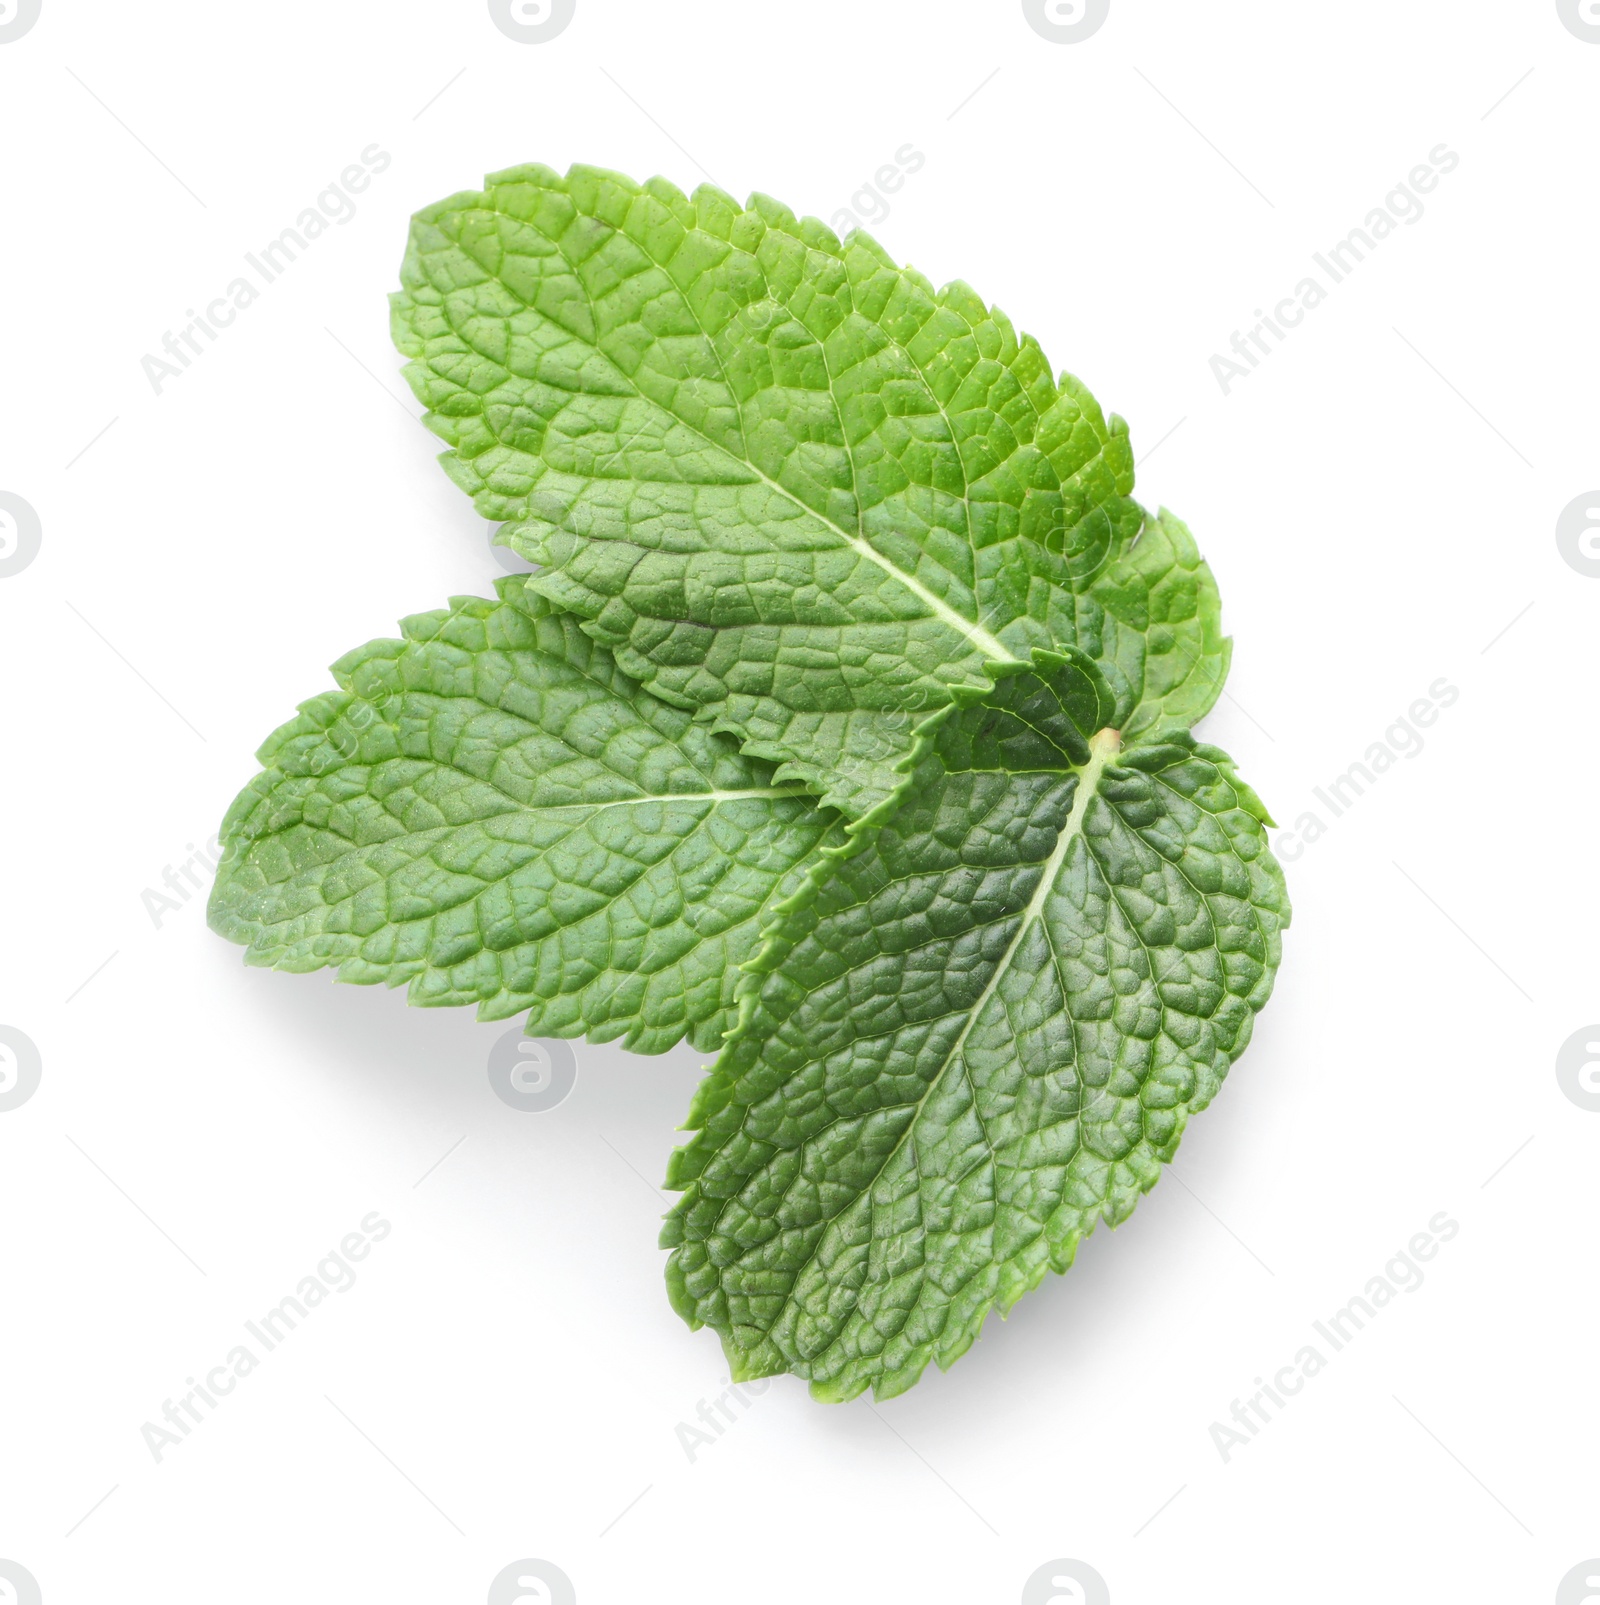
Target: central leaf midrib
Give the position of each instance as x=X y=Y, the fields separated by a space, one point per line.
x=990 y=645
x=518 y=807
x=1103 y=748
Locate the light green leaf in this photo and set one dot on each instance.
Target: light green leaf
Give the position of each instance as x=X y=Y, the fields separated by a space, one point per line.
x=1154 y=627
x=783 y=479
x=491 y=811
x=973 y=1034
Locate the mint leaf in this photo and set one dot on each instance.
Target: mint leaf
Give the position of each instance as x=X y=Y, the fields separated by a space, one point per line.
x=807 y=528
x=491 y=812
x=783 y=479
x=971 y=1038
x=1155 y=629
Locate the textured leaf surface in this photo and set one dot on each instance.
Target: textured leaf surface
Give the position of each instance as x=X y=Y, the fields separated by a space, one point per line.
x=972 y=1039
x=1153 y=624
x=782 y=478
x=491 y=811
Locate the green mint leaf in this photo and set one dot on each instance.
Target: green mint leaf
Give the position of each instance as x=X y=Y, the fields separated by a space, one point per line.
x=492 y=812
x=972 y=1035
x=782 y=478
x=1155 y=628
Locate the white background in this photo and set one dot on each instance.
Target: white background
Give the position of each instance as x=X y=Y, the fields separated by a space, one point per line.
x=505 y=1380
